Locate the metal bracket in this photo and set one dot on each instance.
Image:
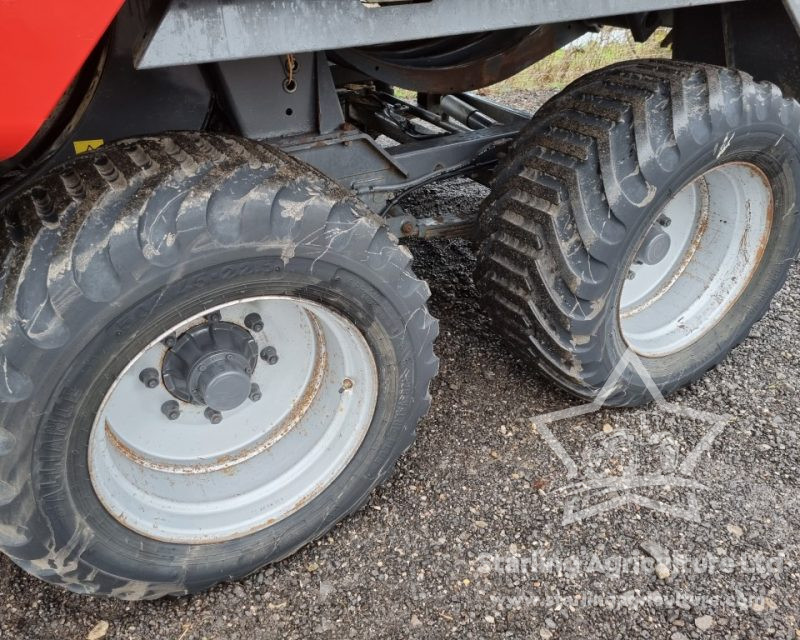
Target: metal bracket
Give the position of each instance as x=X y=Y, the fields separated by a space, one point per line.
x=264 y=108
x=446 y=226
x=383 y=175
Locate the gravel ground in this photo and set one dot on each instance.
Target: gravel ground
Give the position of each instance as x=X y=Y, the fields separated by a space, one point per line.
x=467 y=539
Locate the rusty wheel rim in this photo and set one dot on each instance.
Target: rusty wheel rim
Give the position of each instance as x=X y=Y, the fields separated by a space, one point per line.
x=717 y=228
x=165 y=467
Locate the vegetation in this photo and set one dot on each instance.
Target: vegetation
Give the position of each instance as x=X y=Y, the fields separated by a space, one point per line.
x=586 y=54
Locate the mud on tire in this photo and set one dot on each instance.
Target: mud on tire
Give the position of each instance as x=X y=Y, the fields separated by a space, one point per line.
x=584 y=184
x=99 y=256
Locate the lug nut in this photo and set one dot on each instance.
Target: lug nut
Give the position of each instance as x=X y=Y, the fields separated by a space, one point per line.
x=169 y=342
x=664 y=221
x=212 y=415
x=215 y=316
x=253 y=322
x=255 y=392
x=270 y=355
x=149 y=377
x=171 y=409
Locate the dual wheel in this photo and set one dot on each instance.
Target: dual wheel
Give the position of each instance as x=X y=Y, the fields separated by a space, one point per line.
x=211 y=354
x=650 y=208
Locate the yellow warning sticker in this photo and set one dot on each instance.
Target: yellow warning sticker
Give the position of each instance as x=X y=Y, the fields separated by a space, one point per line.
x=82 y=146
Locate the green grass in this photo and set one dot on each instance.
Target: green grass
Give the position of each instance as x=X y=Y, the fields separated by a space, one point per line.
x=565 y=65
x=405 y=94
x=561 y=67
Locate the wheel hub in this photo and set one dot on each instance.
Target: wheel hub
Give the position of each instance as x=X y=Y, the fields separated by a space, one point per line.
x=211 y=365
x=655 y=246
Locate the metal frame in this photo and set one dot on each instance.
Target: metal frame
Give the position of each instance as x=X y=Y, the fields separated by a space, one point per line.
x=456 y=138
x=381 y=176
x=477 y=61
x=258 y=100
x=215 y=30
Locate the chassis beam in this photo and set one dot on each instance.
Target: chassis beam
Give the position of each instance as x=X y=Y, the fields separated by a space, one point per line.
x=217 y=30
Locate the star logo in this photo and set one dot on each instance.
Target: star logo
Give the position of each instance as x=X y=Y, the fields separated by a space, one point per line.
x=609 y=476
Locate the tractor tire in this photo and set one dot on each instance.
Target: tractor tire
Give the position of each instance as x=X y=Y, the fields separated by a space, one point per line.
x=650 y=210
x=104 y=259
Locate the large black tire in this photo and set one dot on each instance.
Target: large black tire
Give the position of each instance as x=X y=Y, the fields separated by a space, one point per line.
x=584 y=183
x=123 y=241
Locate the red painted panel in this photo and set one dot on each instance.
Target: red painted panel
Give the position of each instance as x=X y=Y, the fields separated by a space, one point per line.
x=43 y=44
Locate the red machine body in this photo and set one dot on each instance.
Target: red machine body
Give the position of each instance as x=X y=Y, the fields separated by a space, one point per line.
x=43 y=44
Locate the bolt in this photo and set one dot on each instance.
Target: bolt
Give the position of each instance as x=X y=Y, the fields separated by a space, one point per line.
x=149 y=377
x=631 y=274
x=215 y=316
x=270 y=355
x=169 y=342
x=407 y=228
x=255 y=392
x=171 y=409
x=664 y=221
x=253 y=322
x=347 y=384
x=213 y=416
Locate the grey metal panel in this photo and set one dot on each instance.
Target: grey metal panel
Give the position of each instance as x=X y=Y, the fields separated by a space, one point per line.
x=263 y=108
x=427 y=156
x=258 y=102
x=358 y=163
x=215 y=30
x=349 y=157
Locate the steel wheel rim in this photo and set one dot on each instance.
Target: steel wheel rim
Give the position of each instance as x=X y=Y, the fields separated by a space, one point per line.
x=190 y=481
x=719 y=225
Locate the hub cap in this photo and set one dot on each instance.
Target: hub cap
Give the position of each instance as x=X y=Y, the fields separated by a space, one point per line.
x=678 y=289
x=265 y=420
x=211 y=364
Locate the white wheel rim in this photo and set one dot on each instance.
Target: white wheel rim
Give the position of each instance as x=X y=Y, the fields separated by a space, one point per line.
x=720 y=225
x=190 y=481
